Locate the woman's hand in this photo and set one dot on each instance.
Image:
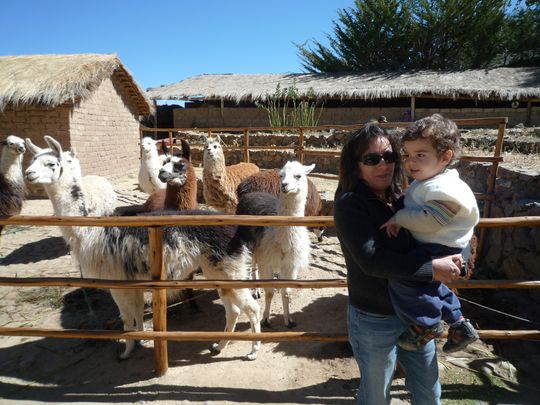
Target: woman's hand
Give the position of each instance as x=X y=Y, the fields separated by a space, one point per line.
x=392 y=228
x=446 y=269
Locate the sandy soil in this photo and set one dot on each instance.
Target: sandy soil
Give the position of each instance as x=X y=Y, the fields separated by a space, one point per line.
x=43 y=370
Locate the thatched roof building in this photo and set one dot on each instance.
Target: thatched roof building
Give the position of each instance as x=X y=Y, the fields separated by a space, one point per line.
x=372 y=91
x=501 y=83
x=87 y=101
x=52 y=80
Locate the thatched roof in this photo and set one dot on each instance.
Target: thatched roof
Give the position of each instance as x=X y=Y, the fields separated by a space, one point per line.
x=52 y=80
x=500 y=83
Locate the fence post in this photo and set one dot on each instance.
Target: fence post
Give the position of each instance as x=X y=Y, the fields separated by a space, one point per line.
x=246 y=146
x=159 y=298
x=301 y=146
x=491 y=184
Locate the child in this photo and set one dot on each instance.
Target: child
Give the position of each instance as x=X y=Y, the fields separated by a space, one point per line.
x=440 y=212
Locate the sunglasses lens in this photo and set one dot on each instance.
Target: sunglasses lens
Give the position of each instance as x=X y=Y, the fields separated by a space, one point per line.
x=390 y=157
x=371 y=159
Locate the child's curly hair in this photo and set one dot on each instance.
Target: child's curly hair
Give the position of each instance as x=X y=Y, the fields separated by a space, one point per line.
x=442 y=132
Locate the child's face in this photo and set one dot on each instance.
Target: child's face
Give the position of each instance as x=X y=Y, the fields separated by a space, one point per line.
x=421 y=161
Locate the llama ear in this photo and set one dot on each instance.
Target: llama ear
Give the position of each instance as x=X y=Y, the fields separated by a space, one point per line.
x=163 y=145
x=31 y=147
x=54 y=145
x=3 y=142
x=309 y=169
x=186 y=152
x=73 y=152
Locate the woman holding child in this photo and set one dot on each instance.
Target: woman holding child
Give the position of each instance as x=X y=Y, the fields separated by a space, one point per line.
x=368 y=197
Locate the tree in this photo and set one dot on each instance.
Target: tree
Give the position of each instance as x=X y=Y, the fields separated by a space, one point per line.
x=522 y=36
x=412 y=34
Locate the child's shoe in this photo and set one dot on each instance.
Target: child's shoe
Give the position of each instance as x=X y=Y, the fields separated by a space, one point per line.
x=460 y=335
x=417 y=336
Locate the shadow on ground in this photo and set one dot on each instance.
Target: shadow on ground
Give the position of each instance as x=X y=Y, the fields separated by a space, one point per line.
x=32 y=252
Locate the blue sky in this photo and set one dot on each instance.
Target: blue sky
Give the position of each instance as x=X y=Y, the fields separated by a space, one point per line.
x=166 y=41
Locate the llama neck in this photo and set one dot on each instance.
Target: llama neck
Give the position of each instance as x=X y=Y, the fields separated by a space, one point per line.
x=215 y=168
x=11 y=167
x=171 y=196
x=292 y=204
x=67 y=197
x=151 y=159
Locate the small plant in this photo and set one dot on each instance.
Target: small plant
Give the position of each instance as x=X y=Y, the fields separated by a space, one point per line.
x=286 y=108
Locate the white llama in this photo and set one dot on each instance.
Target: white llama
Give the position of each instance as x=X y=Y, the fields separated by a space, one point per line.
x=281 y=251
x=151 y=162
x=12 y=188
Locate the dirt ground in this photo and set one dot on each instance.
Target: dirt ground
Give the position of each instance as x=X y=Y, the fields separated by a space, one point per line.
x=44 y=370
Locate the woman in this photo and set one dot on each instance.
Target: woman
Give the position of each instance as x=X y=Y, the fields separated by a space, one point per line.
x=369 y=189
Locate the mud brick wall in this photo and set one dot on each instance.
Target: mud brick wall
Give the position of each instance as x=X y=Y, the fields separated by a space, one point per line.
x=105 y=132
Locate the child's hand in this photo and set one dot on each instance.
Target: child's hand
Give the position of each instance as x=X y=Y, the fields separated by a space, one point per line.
x=392 y=228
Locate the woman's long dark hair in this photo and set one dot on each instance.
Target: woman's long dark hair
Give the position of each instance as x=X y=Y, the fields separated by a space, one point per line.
x=355 y=146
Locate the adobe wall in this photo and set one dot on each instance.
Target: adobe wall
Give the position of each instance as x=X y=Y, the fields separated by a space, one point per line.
x=257 y=117
x=105 y=132
x=33 y=123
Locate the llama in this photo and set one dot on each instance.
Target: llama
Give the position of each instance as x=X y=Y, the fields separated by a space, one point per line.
x=150 y=165
x=98 y=192
x=122 y=252
x=220 y=181
x=12 y=188
x=100 y=197
x=181 y=190
x=269 y=181
x=280 y=250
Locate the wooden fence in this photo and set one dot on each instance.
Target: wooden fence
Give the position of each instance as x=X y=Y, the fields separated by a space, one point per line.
x=158 y=285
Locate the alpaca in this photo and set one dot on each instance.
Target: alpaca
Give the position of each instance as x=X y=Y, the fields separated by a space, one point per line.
x=12 y=188
x=280 y=250
x=269 y=181
x=181 y=190
x=122 y=252
x=150 y=165
x=220 y=181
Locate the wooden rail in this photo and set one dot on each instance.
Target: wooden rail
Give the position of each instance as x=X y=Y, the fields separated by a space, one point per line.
x=255 y=220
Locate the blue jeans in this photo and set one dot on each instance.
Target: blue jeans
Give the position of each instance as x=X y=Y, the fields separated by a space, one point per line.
x=373 y=338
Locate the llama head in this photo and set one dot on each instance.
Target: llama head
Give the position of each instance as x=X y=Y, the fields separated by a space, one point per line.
x=49 y=164
x=175 y=168
x=148 y=145
x=13 y=145
x=213 y=149
x=293 y=177
x=174 y=171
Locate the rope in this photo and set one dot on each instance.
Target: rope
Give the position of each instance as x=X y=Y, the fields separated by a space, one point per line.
x=494 y=310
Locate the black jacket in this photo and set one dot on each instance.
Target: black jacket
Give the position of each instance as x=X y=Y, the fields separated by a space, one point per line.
x=370 y=255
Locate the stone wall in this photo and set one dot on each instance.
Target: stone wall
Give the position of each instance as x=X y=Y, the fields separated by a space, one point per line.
x=105 y=132
x=213 y=117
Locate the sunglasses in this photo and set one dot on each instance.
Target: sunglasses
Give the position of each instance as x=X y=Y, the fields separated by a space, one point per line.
x=373 y=159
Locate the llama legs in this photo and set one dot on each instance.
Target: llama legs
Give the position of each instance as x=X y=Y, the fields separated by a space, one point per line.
x=131 y=306
x=236 y=301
